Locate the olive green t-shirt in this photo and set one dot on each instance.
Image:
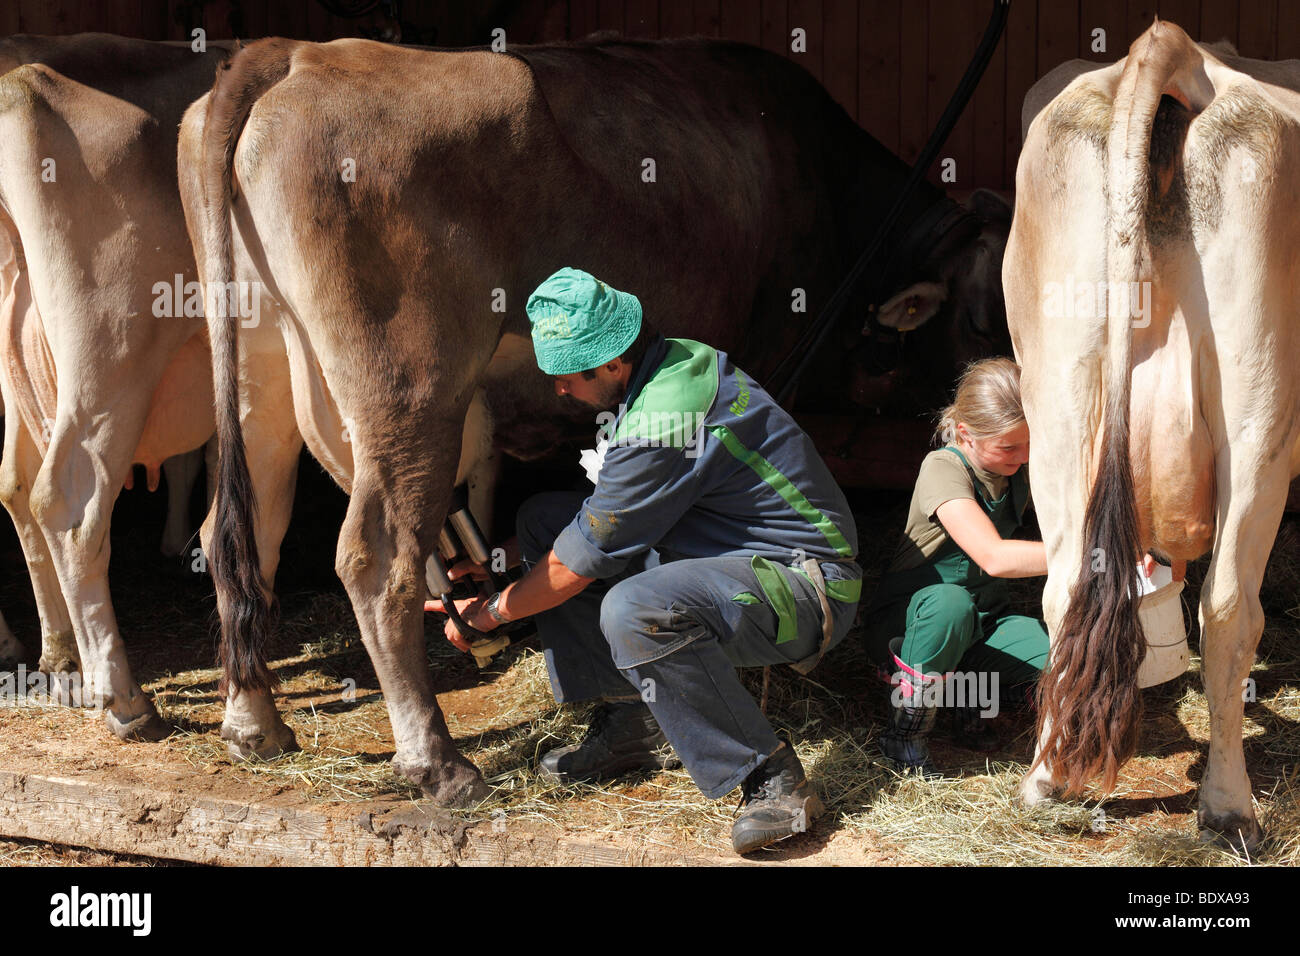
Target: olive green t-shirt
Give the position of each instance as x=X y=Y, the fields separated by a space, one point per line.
x=942 y=478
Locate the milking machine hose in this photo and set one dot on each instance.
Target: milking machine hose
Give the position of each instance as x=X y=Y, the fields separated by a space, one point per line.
x=785 y=378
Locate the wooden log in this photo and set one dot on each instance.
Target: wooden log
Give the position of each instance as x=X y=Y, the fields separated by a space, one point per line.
x=183 y=823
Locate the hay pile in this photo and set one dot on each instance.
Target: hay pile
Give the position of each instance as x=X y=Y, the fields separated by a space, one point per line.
x=970 y=817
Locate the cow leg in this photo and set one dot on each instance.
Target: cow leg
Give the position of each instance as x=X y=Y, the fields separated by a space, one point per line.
x=1056 y=486
x=72 y=499
x=1039 y=785
x=18 y=467
x=252 y=726
x=182 y=471
x=21 y=462
x=388 y=533
x=1232 y=620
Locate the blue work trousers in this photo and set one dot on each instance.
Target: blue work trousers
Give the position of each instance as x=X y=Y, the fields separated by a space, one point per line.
x=672 y=633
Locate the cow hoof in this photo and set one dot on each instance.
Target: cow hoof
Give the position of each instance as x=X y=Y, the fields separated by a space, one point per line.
x=1235 y=832
x=456 y=786
x=57 y=665
x=460 y=796
x=1035 y=790
x=147 y=727
x=59 y=654
x=61 y=663
x=253 y=728
x=246 y=745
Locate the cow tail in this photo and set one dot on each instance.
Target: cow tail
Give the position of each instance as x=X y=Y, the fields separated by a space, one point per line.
x=1089 y=697
x=245 y=603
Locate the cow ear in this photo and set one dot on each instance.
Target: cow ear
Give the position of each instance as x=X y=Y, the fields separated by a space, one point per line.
x=989 y=205
x=913 y=307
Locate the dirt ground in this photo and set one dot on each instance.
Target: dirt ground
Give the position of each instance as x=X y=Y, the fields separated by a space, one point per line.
x=503 y=718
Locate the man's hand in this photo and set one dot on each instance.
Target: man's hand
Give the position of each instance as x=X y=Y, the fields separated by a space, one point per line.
x=472 y=610
x=546 y=585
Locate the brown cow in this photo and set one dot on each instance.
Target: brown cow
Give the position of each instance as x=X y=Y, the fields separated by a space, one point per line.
x=401 y=205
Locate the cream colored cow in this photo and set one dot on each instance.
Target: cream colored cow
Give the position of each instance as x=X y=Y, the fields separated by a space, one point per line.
x=104 y=366
x=1151 y=281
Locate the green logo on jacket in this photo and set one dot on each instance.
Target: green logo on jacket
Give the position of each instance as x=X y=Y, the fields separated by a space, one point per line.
x=742 y=401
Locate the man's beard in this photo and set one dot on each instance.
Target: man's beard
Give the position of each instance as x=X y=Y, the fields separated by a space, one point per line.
x=608 y=399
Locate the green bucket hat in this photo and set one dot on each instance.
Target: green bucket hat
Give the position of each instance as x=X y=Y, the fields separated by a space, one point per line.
x=580 y=323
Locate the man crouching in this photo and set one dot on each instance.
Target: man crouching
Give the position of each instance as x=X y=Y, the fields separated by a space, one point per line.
x=715 y=538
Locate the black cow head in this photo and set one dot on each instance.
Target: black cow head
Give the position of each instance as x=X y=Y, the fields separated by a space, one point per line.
x=951 y=314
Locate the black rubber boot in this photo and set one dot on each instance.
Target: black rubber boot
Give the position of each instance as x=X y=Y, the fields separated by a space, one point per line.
x=778 y=802
x=905 y=739
x=622 y=737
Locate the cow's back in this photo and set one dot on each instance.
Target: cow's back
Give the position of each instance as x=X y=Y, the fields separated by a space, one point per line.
x=744 y=142
x=718 y=181
x=160 y=78
x=477 y=172
x=88 y=177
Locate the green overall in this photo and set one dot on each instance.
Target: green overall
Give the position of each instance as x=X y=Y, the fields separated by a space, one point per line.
x=953 y=615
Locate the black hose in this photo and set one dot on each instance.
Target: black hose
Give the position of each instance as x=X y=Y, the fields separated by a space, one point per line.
x=786 y=377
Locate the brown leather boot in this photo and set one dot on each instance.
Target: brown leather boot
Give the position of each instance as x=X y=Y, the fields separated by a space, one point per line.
x=778 y=802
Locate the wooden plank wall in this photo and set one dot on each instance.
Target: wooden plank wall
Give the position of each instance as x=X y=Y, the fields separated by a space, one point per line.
x=892 y=64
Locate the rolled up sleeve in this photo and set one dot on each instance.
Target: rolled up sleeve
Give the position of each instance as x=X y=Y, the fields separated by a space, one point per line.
x=640 y=495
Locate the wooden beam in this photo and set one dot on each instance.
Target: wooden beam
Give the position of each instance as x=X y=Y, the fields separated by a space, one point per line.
x=176 y=820
x=741 y=20
x=808 y=15
x=840 y=53
x=676 y=19
x=913 y=79
x=1185 y=13
x=952 y=40
x=988 y=114
x=1257 y=29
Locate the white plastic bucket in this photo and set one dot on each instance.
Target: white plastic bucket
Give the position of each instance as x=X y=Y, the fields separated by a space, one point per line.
x=1161 y=613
